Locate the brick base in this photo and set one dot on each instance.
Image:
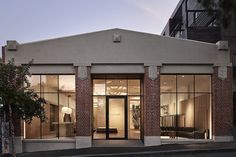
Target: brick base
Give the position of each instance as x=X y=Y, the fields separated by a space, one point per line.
x=83 y=142
x=152 y=140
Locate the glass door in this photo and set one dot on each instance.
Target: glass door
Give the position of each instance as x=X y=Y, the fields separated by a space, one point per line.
x=116 y=124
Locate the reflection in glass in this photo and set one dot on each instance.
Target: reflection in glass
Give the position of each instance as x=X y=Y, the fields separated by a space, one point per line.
x=99 y=87
x=99 y=117
x=67 y=83
x=49 y=83
x=134 y=116
x=116 y=87
x=168 y=83
x=185 y=83
x=34 y=81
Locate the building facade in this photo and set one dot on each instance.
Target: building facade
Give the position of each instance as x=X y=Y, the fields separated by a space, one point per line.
x=120 y=84
x=190 y=20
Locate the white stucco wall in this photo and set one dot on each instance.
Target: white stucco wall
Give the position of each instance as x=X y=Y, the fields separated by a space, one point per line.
x=135 y=47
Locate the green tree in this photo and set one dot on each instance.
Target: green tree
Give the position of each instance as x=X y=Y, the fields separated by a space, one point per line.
x=227 y=9
x=16 y=99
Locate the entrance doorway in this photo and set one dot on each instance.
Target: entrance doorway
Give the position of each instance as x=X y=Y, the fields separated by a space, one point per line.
x=116 y=117
x=116 y=109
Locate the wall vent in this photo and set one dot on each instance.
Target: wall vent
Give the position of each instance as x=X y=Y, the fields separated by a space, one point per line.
x=116 y=38
x=12 y=45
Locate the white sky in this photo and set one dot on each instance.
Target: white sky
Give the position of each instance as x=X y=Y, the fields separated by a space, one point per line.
x=33 y=20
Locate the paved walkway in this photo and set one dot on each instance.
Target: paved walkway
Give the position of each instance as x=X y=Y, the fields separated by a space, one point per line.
x=135 y=151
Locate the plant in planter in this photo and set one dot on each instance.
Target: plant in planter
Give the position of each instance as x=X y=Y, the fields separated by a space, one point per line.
x=136 y=116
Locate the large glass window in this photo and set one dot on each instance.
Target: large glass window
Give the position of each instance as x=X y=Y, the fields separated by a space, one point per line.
x=185 y=83
x=116 y=87
x=105 y=88
x=185 y=106
x=59 y=93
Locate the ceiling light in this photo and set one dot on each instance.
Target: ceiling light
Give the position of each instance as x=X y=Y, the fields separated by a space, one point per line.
x=66 y=110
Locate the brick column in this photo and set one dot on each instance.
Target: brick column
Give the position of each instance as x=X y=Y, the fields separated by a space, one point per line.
x=83 y=107
x=222 y=104
x=152 y=106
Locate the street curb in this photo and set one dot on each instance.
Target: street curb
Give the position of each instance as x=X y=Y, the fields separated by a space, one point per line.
x=166 y=152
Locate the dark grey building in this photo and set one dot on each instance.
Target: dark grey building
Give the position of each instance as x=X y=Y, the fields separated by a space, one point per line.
x=191 y=21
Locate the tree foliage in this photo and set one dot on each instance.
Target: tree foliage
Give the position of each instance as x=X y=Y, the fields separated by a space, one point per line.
x=227 y=9
x=15 y=92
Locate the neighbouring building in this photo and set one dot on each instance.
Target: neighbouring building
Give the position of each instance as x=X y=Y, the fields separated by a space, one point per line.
x=121 y=84
x=191 y=21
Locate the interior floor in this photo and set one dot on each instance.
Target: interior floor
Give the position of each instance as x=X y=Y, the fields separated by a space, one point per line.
x=133 y=134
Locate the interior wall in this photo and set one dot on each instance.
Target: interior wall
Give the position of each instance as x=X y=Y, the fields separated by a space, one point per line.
x=198 y=114
x=202 y=112
x=186 y=108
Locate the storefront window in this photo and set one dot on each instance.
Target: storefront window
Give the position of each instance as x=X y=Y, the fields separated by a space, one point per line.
x=59 y=93
x=168 y=83
x=99 y=116
x=51 y=110
x=116 y=87
x=185 y=83
x=133 y=87
x=116 y=103
x=186 y=112
x=99 y=87
x=202 y=83
x=49 y=83
x=66 y=83
x=35 y=82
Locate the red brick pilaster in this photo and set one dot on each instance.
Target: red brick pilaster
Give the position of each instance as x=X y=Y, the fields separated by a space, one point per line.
x=83 y=104
x=222 y=104
x=151 y=104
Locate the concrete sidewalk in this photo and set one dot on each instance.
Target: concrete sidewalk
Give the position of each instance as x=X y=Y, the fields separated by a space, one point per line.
x=167 y=149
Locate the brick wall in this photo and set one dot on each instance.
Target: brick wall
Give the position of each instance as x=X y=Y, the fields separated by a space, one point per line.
x=222 y=104
x=151 y=105
x=83 y=105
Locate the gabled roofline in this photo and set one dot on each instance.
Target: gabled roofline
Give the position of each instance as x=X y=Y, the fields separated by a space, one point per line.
x=83 y=34
x=87 y=33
